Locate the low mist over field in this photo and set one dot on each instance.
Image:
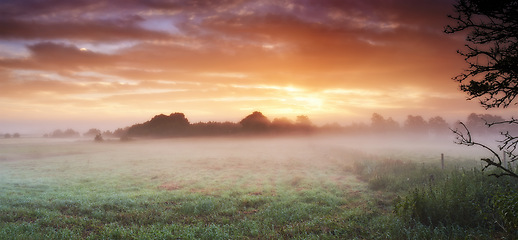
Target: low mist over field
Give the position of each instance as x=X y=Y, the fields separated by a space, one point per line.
x=215 y=187
x=185 y=162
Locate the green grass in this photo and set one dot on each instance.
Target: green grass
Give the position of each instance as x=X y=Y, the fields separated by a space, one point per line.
x=224 y=189
x=451 y=202
x=137 y=213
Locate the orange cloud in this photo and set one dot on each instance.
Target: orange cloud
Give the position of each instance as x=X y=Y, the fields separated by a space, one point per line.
x=227 y=58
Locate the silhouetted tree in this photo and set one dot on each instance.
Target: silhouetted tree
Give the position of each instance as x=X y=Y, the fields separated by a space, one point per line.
x=438 y=125
x=415 y=124
x=492 y=77
x=282 y=124
x=391 y=124
x=477 y=123
x=491 y=49
x=98 y=138
x=377 y=121
x=304 y=124
x=7 y=135
x=57 y=133
x=92 y=132
x=380 y=124
x=69 y=133
x=162 y=126
x=255 y=122
x=303 y=120
x=119 y=132
x=108 y=133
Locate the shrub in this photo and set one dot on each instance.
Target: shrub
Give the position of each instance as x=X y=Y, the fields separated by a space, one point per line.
x=98 y=138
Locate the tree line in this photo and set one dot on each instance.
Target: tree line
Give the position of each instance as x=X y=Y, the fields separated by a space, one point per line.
x=71 y=133
x=177 y=125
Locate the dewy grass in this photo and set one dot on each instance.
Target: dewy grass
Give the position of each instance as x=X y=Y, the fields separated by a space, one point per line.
x=195 y=189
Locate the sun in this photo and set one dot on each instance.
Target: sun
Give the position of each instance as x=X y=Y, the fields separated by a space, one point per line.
x=314 y=103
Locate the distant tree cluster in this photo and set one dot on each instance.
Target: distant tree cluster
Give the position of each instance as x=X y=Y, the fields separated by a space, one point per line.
x=176 y=125
x=58 y=133
x=93 y=133
x=479 y=124
x=14 y=135
x=413 y=125
x=98 y=134
x=437 y=126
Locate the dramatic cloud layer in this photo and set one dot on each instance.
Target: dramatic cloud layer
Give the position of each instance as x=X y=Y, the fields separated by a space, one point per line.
x=220 y=60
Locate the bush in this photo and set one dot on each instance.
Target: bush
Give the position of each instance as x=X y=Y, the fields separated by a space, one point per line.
x=98 y=138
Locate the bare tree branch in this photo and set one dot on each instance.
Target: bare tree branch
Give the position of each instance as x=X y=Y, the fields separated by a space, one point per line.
x=464 y=138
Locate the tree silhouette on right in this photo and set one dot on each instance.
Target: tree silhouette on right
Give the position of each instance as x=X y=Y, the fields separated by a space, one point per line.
x=491 y=53
x=491 y=49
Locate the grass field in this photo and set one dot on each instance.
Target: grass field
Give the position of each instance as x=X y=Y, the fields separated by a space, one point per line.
x=215 y=188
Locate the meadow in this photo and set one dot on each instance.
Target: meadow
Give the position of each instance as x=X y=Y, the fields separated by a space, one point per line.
x=244 y=188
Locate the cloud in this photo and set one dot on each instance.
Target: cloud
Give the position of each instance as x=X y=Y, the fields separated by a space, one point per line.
x=102 y=30
x=58 y=57
x=189 y=55
x=32 y=8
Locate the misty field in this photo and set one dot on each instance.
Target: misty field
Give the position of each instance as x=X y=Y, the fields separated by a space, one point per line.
x=226 y=188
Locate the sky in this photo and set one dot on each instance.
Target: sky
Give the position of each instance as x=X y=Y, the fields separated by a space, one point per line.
x=109 y=64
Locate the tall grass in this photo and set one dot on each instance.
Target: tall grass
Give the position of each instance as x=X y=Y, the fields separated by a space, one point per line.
x=452 y=201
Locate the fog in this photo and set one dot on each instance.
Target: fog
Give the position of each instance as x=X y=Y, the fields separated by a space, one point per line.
x=271 y=179
x=163 y=158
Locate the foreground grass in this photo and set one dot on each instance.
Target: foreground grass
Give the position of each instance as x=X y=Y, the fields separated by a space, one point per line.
x=174 y=189
x=163 y=214
x=200 y=189
x=447 y=203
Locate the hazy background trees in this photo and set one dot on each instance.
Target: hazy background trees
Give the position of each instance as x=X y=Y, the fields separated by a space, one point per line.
x=381 y=125
x=92 y=132
x=68 y=133
x=438 y=125
x=177 y=125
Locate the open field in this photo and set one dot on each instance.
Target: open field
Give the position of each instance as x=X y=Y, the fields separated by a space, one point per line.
x=214 y=188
